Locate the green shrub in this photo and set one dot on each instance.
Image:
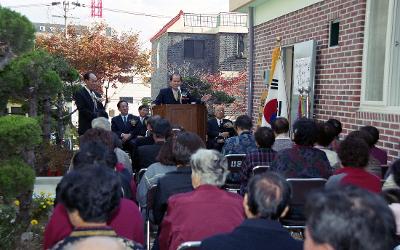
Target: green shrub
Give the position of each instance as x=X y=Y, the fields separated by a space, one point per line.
x=18 y=133
x=16 y=177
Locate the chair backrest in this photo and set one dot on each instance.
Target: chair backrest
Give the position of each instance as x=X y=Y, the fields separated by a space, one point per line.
x=384 y=170
x=189 y=245
x=260 y=169
x=301 y=187
x=235 y=161
x=140 y=174
x=150 y=197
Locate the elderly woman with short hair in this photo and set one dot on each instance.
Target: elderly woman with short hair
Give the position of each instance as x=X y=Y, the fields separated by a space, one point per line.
x=206 y=211
x=184 y=145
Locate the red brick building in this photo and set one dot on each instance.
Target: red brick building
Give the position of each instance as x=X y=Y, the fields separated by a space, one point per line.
x=357 y=76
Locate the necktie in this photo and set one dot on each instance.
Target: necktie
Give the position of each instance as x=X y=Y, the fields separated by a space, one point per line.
x=125 y=120
x=141 y=120
x=179 y=96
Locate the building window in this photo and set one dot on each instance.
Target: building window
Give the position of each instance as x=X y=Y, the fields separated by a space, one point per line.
x=128 y=99
x=240 y=45
x=334 y=34
x=194 y=49
x=381 y=78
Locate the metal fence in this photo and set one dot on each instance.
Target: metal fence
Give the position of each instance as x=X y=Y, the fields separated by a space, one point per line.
x=215 y=20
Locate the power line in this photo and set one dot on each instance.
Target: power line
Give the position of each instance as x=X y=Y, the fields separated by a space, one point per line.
x=29 y=5
x=107 y=9
x=137 y=13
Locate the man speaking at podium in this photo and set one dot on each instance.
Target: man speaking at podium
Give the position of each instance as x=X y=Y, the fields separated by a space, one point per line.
x=175 y=95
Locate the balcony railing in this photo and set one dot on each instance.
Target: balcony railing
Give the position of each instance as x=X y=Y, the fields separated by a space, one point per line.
x=215 y=20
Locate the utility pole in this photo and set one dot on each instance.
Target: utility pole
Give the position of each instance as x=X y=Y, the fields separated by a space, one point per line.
x=66 y=8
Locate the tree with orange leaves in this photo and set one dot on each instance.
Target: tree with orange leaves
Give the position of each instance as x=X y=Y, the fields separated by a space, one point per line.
x=112 y=58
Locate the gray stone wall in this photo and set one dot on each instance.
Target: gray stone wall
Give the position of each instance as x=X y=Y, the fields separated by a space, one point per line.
x=227 y=58
x=159 y=76
x=220 y=54
x=176 y=57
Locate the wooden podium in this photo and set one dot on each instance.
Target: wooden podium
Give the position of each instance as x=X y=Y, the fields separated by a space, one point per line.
x=192 y=117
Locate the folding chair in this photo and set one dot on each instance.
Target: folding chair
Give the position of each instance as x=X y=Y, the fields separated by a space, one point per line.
x=140 y=175
x=149 y=207
x=301 y=187
x=189 y=245
x=384 y=170
x=260 y=169
x=232 y=183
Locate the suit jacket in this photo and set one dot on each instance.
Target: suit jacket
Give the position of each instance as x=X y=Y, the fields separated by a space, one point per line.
x=179 y=181
x=87 y=110
x=196 y=215
x=146 y=155
x=254 y=234
x=118 y=126
x=140 y=128
x=213 y=130
x=166 y=96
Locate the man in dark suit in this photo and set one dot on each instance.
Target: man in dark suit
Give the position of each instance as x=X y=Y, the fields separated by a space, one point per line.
x=175 y=95
x=146 y=154
x=88 y=103
x=140 y=122
x=123 y=125
x=266 y=201
x=218 y=129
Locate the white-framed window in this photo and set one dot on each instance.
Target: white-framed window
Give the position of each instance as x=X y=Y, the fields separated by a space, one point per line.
x=380 y=91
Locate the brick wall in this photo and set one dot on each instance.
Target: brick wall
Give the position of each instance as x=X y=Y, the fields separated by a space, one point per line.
x=338 y=69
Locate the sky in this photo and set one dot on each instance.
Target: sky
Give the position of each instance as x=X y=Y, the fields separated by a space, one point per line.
x=144 y=25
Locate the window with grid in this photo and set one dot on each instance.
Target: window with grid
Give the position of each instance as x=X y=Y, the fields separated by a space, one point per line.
x=194 y=49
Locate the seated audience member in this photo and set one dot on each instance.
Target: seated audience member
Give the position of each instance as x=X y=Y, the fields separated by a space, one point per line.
x=244 y=142
x=377 y=153
x=392 y=195
x=219 y=129
x=326 y=134
x=263 y=156
x=303 y=160
x=373 y=166
x=122 y=156
x=146 y=154
x=207 y=210
x=265 y=202
x=122 y=126
x=348 y=218
x=148 y=139
x=390 y=182
x=127 y=221
x=338 y=127
x=179 y=181
x=280 y=126
x=101 y=136
x=91 y=196
x=140 y=123
x=155 y=171
x=353 y=154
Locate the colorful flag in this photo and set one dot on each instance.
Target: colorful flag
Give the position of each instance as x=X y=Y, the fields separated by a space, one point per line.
x=274 y=100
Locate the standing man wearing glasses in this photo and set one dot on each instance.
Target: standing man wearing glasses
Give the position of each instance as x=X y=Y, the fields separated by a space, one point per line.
x=88 y=102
